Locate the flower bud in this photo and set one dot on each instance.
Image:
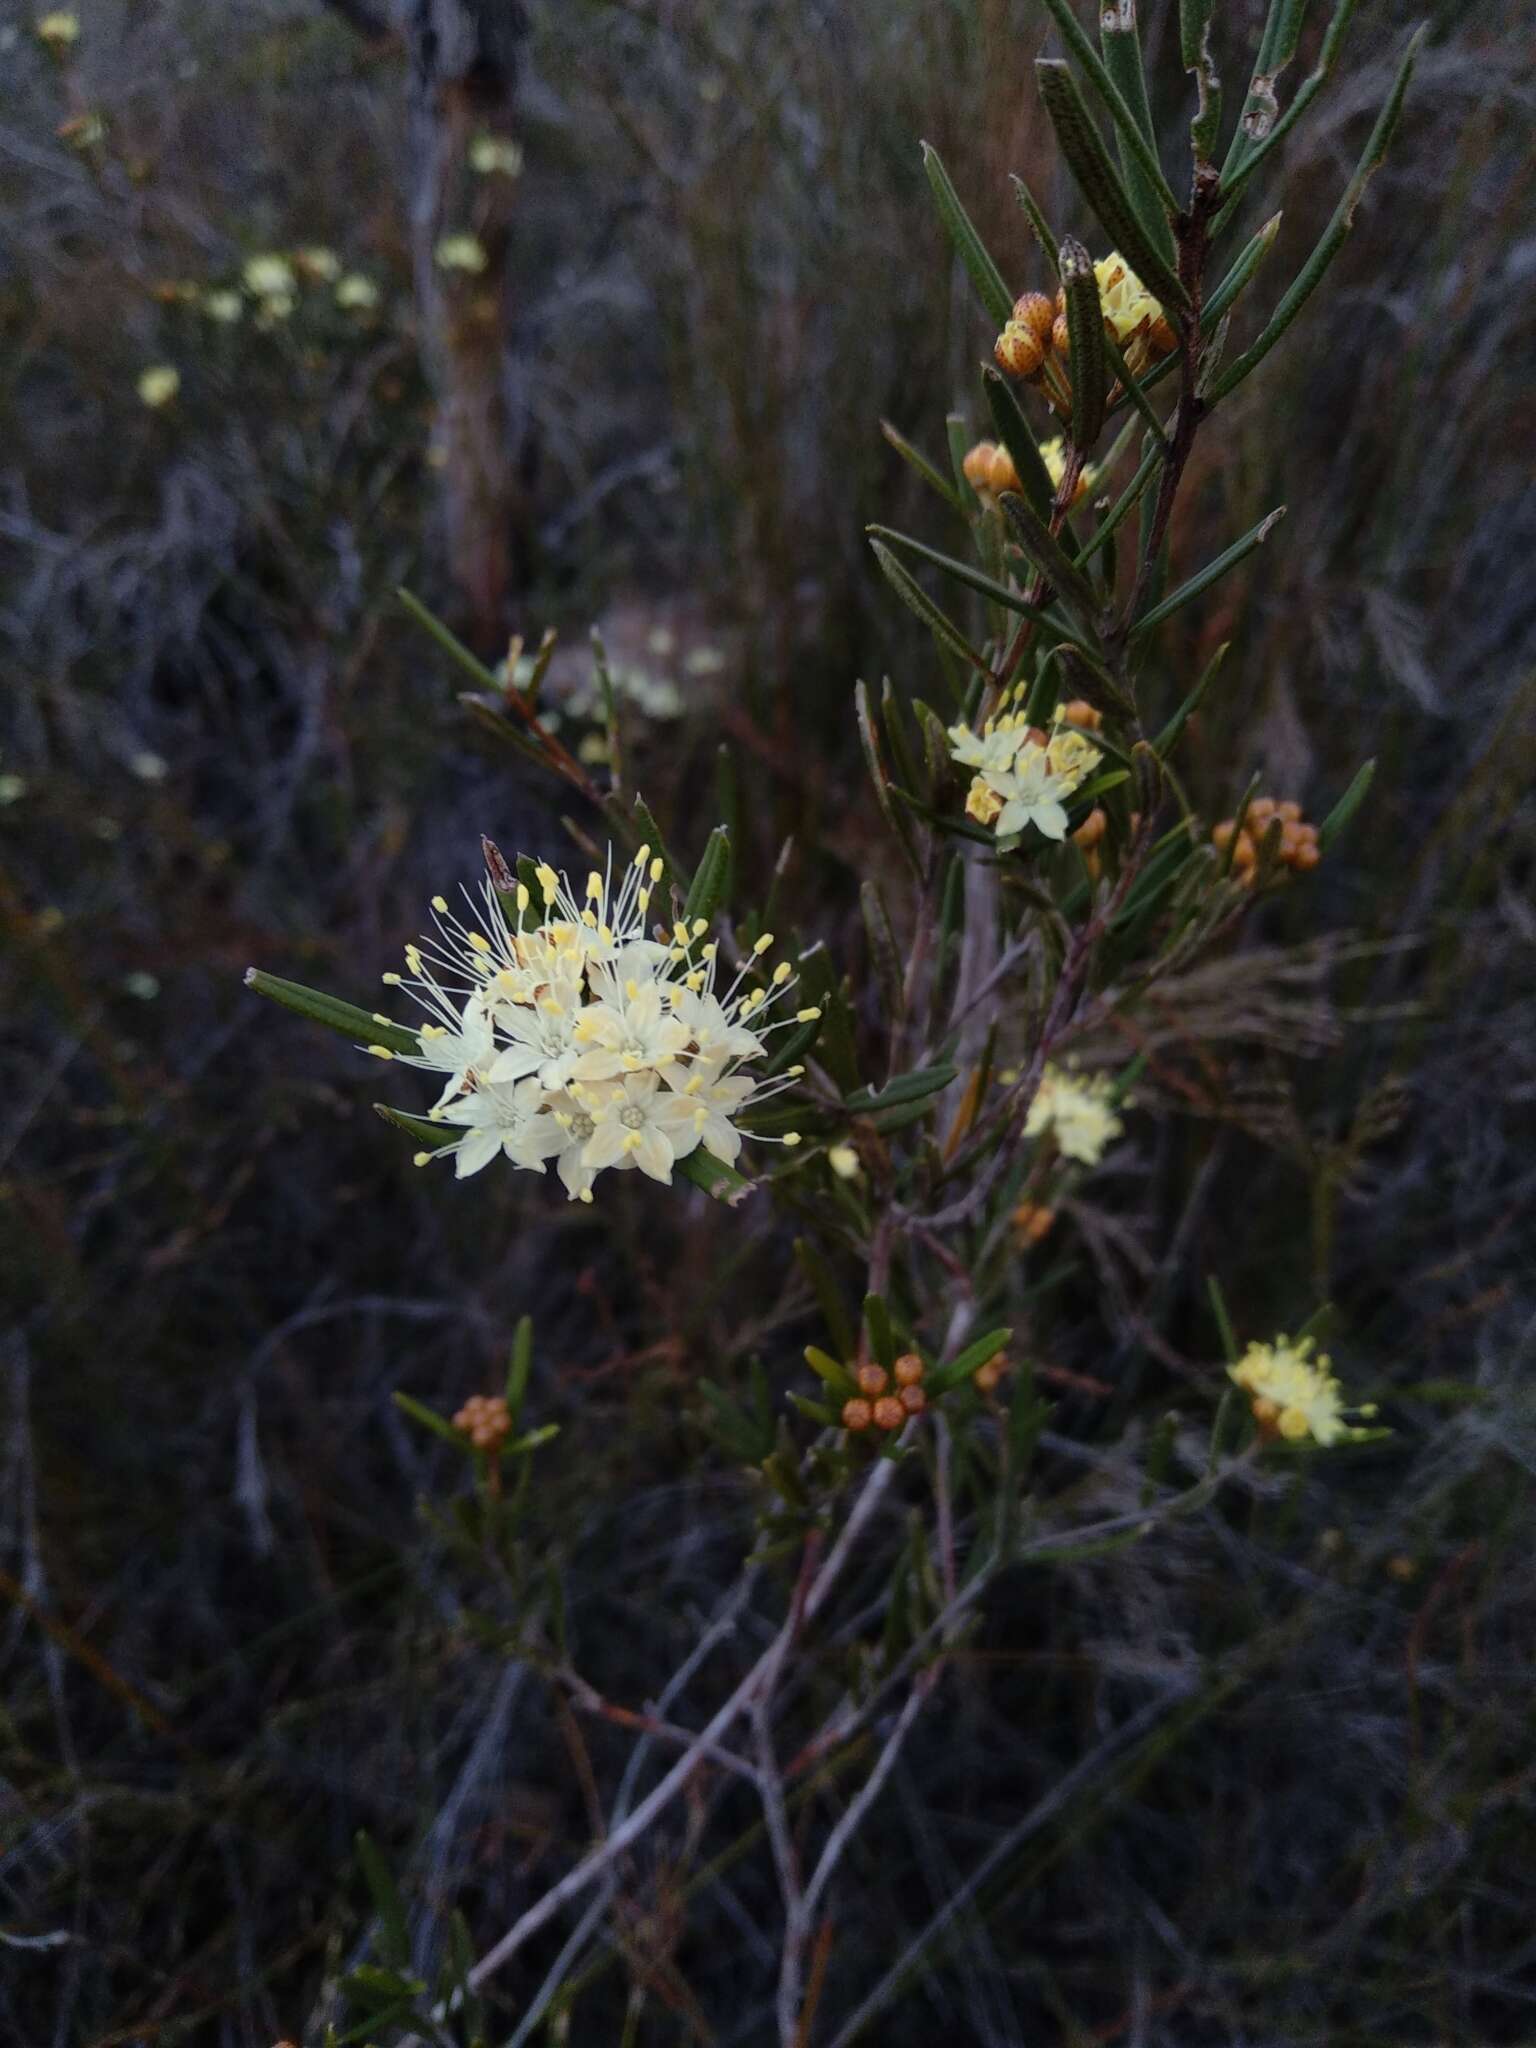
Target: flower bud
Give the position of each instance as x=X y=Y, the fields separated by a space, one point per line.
x=1002 y=476
x=1091 y=830
x=872 y=1379
x=908 y=1369
x=1081 y=712
x=889 y=1413
x=857 y=1415
x=1036 y=312
x=913 y=1400
x=1061 y=339
x=1018 y=350
x=977 y=465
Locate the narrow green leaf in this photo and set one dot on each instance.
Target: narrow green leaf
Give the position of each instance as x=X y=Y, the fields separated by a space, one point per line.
x=1051 y=559
x=1172 y=732
x=1337 y=231
x=648 y=833
x=869 y=741
x=969 y=1362
x=723 y=1183
x=921 y=464
x=710 y=877
x=1333 y=42
x=882 y=1338
x=430 y=1136
x=829 y=1297
x=1121 y=47
x=830 y=1370
x=984 y=273
x=1040 y=226
x=334 y=1014
x=884 y=954
x=430 y=1419
x=1198 y=59
x=1013 y=431
x=449 y=642
x=1085 y=332
x=1093 y=68
x=394 y=1941
x=1337 y=820
x=912 y=594
x=814 y=1411
x=1211 y=573
x=1100 y=184
x=821 y=989
x=1240 y=275
x=1130 y=497
x=1277 y=46
x=519 y=1366
x=915 y=1086
x=1223 y=1320
x=998 y=593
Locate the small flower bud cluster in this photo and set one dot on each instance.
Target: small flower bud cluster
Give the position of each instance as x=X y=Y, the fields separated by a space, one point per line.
x=1298 y=850
x=989 y=469
x=1035 y=343
x=485 y=1420
x=1077 y=1111
x=1023 y=773
x=1294 y=1393
x=886 y=1399
x=1032 y=1223
x=989 y=1377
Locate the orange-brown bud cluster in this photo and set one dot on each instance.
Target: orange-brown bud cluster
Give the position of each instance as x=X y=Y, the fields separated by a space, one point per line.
x=1083 y=714
x=877 y=1403
x=1036 y=343
x=485 y=1420
x=1033 y=1222
x=1298 y=851
x=989 y=467
x=990 y=1376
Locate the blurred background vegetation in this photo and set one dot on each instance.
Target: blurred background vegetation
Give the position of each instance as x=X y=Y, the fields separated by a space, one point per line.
x=709 y=268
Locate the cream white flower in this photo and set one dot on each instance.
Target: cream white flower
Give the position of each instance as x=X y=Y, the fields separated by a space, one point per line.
x=640 y=1123
x=356 y=293
x=1077 y=1111
x=569 y=1031
x=1032 y=795
x=1018 y=780
x=224 y=306
x=320 y=263
x=159 y=385
x=492 y=155
x=270 y=277
x=58 y=29
x=461 y=252
x=1295 y=1393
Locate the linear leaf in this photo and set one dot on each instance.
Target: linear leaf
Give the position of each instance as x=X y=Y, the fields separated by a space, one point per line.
x=869 y=740
x=970 y=1361
x=912 y=594
x=1196 y=56
x=718 y=1180
x=1121 y=46
x=1211 y=573
x=1277 y=46
x=710 y=877
x=1101 y=185
x=1050 y=558
x=918 y=461
x=1240 y=275
x=988 y=586
x=449 y=642
x=1171 y=733
x=1339 y=817
x=1013 y=431
x=433 y=1136
x=984 y=273
x=1092 y=64
x=1036 y=218
x=1337 y=231
x=1085 y=333
x=1333 y=42
x=912 y=1087
x=334 y=1014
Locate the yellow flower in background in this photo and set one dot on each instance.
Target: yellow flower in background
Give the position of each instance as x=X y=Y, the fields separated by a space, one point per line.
x=159 y=385
x=270 y=277
x=494 y=155
x=356 y=293
x=844 y=1162
x=461 y=252
x=1294 y=1392
x=58 y=29
x=320 y=263
x=1053 y=454
x=225 y=306
x=1077 y=1111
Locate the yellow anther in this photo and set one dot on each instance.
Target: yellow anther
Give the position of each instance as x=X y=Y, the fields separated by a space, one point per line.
x=421 y=1158
x=761 y=945
x=790 y=1138
x=643 y=900
x=380 y=1018
x=480 y=942
x=439 y=902
x=381 y=1052
x=522 y=896
x=390 y=980
x=632 y=989
x=589 y=919
x=585 y=1195
x=700 y=926
x=631 y=1141
x=680 y=934
x=427 y=1030
x=549 y=882
x=708 y=952
x=658 y=868
x=793 y=1073
x=757 y=997
x=695 y=981
x=781 y=973
x=642 y=856
x=594 y=886
x=807 y=1016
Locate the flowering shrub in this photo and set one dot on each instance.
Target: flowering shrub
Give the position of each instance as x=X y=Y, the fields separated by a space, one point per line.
x=948 y=1091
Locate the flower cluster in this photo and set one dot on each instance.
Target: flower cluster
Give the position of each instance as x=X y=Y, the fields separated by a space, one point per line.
x=1023 y=773
x=878 y=1403
x=486 y=1420
x=158 y=385
x=1077 y=1110
x=568 y=1033
x=1294 y=1393
x=1298 y=847
x=989 y=468
x=1035 y=343
x=57 y=30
